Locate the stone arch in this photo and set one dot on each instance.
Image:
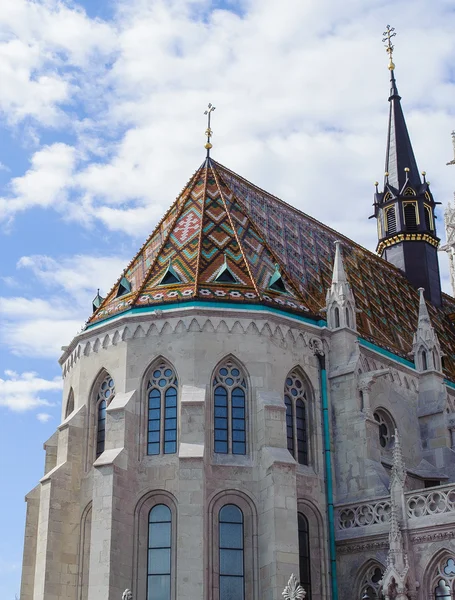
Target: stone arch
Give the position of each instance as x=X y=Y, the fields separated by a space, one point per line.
x=143 y=401
x=85 y=531
x=433 y=572
x=368 y=577
x=140 y=543
x=210 y=414
x=69 y=404
x=92 y=411
x=317 y=548
x=248 y=507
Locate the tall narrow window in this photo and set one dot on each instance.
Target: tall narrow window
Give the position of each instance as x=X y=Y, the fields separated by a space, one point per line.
x=295 y=398
x=106 y=393
x=69 y=404
x=229 y=397
x=159 y=553
x=410 y=216
x=232 y=577
x=162 y=410
x=428 y=217
x=304 y=555
x=424 y=361
x=391 y=220
x=337 y=316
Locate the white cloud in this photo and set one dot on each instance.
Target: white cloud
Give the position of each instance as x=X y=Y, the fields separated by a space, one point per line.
x=24 y=392
x=45 y=184
x=38 y=327
x=43 y=417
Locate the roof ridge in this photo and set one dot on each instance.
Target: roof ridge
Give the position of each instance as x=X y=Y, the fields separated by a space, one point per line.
x=184 y=199
x=234 y=230
x=256 y=228
x=108 y=298
x=199 y=244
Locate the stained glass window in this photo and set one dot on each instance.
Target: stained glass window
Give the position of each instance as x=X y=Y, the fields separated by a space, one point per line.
x=106 y=393
x=229 y=397
x=159 y=553
x=304 y=555
x=295 y=398
x=162 y=410
x=231 y=553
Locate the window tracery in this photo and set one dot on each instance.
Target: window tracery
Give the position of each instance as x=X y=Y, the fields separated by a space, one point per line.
x=229 y=397
x=295 y=399
x=443 y=584
x=106 y=393
x=386 y=429
x=162 y=391
x=370 y=583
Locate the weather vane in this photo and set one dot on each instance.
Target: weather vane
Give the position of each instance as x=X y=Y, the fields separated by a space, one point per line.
x=389 y=47
x=208 y=131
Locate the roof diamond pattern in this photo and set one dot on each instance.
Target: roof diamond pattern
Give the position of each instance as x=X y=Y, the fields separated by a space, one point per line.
x=220 y=216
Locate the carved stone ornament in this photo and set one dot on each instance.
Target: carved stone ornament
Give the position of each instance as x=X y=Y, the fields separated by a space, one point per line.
x=316 y=346
x=293 y=590
x=127 y=595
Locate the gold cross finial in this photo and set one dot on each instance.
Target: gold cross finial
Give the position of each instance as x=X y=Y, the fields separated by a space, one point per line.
x=208 y=131
x=388 y=34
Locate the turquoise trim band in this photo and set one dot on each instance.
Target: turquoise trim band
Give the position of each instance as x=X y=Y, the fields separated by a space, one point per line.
x=386 y=353
x=210 y=304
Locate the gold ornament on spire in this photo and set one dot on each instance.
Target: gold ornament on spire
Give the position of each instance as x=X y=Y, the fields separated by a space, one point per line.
x=388 y=34
x=208 y=131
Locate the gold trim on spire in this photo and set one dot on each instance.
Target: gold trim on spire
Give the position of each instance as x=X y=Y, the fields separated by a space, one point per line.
x=388 y=34
x=208 y=131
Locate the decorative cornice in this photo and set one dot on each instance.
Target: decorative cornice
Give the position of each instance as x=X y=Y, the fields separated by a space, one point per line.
x=434 y=536
x=407 y=237
x=363 y=547
x=279 y=334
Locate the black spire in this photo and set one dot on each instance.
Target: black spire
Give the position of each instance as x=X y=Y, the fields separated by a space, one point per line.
x=405 y=209
x=399 y=153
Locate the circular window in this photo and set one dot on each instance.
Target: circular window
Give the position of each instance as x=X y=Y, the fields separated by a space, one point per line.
x=386 y=429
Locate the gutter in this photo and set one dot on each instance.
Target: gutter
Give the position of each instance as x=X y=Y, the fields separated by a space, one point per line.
x=328 y=476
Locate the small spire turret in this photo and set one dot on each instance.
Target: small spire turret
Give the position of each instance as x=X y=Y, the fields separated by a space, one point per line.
x=340 y=302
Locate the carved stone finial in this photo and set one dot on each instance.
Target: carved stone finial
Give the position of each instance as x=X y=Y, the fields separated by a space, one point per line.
x=398 y=468
x=127 y=595
x=293 y=590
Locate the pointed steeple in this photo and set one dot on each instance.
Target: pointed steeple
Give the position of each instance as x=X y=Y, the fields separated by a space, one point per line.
x=405 y=209
x=340 y=302
x=426 y=348
x=400 y=163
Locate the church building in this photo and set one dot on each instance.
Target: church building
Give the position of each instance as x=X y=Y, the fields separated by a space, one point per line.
x=259 y=396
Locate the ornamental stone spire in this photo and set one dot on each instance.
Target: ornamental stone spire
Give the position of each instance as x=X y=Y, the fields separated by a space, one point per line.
x=340 y=301
x=426 y=348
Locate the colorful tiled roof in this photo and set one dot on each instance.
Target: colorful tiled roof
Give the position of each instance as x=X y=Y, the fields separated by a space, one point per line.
x=221 y=220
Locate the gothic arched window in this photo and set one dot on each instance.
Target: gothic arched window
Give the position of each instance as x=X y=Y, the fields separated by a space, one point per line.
x=106 y=393
x=443 y=584
x=337 y=316
x=295 y=398
x=304 y=555
x=231 y=557
x=69 y=404
x=369 y=588
x=159 y=553
x=162 y=410
x=229 y=397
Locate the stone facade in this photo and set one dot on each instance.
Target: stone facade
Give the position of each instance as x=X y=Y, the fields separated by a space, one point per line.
x=86 y=533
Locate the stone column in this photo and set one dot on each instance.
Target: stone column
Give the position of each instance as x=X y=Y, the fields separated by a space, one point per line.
x=278 y=532
x=190 y=529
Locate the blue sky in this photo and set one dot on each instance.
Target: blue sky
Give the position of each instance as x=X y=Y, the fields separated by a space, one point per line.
x=101 y=117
